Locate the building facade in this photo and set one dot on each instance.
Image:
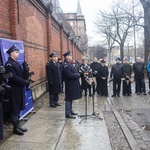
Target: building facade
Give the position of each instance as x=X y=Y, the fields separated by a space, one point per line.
x=33 y=22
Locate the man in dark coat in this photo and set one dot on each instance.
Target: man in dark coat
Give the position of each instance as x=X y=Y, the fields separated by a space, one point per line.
x=1 y=122
x=127 y=71
x=116 y=74
x=54 y=80
x=72 y=86
x=102 y=75
x=2 y=92
x=17 y=92
x=60 y=66
x=139 y=68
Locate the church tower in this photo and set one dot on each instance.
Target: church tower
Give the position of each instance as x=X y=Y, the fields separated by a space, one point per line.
x=77 y=22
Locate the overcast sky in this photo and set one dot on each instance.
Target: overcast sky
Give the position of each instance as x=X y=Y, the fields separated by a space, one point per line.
x=89 y=9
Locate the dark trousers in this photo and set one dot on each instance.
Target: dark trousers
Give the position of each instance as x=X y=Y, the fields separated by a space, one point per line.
x=149 y=82
x=89 y=88
x=116 y=86
x=15 y=116
x=53 y=99
x=68 y=107
x=140 y=85
x=1 y=123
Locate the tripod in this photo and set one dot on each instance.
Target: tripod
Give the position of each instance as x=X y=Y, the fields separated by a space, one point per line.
x=94 y=115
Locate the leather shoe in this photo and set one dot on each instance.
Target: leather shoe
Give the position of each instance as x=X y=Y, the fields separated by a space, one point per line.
x=58 y=104
x=113 y=96
x=74 y=113
x=18 y=131
x=22 y=129
x=70 y=117
x=53 y=105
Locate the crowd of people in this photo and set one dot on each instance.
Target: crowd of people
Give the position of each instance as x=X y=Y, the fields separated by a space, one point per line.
x=94 y=77
x=73 y=78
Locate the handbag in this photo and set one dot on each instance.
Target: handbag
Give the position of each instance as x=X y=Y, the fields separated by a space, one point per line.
x=91 y=80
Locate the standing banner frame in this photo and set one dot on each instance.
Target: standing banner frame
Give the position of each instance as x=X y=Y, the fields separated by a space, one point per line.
x=5 y=44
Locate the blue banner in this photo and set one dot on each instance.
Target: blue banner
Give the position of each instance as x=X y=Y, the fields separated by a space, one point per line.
x=5 y=44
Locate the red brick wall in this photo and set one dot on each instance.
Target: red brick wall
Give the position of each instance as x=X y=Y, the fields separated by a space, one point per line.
x=28 y=21
x=5 y=19
x=55 y=38
x=65 y=44
x=32 y=30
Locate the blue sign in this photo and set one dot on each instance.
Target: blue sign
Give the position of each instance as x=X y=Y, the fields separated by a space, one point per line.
x=5 y=44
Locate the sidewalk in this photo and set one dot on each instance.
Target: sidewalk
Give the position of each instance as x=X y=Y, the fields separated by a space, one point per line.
x=48 y=129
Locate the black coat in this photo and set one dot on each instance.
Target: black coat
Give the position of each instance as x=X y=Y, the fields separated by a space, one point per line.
x=94 y=66
x=17 y=83
x=1 y=123
x=102 y=71
x=127 y=70
x=71 y=78
x=116 y=71
x=85 y=69
x=138 y=69
x=53 y=77
x=102 y=87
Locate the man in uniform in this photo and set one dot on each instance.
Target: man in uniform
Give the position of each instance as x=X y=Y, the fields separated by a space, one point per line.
x=17 y=92
x=72 y=86
x=54 y=80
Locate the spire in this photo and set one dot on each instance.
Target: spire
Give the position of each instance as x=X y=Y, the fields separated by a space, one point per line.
x=79 y=12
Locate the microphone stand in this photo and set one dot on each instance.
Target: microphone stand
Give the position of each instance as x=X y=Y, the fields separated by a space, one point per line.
x=94 y=115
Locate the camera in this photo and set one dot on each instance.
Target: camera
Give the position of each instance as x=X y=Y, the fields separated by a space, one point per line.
x=3 y=86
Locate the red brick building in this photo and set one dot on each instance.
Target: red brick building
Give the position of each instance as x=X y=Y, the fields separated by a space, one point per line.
x=33 y=23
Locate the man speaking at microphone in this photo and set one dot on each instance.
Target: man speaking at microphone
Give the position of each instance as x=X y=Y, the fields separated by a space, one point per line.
x=72 y=86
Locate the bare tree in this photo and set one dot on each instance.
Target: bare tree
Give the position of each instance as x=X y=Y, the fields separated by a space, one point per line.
x=117 y=24
x=146 y=7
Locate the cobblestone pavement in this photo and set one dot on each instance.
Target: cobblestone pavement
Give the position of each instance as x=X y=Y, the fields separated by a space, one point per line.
x=126 y=104
x=117 y=138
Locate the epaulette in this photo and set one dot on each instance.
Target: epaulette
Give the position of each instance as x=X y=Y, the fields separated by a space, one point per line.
x=65 y=65
x=47 y=63
x=8 y=64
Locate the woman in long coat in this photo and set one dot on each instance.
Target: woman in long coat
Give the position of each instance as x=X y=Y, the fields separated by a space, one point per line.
x=85 y=72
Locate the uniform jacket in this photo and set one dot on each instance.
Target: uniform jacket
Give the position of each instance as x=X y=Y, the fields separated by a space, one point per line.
x=53 y=77
x=71 y=78
x=17 y=83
